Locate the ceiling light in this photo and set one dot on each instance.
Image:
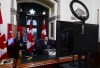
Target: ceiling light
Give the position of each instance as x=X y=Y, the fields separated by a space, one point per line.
x=32 y=11
x=44 y=13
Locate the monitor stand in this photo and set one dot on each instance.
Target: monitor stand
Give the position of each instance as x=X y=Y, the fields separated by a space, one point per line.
x=73 y=64
x=83 y=62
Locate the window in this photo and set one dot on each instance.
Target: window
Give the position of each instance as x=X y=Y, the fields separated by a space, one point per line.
x=34 y=22
x=52 y=30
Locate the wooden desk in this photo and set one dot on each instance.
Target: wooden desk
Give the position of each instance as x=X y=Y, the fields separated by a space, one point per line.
x=45 y=62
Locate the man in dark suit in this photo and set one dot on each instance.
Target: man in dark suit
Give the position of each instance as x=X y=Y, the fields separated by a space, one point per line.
x=43 y=45
x=46 y=43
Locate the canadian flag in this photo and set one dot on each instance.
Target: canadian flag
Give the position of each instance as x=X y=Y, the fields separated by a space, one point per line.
x=10 y=38
x=3 y=47
x=30 y=42
x=20 y=28
x=43 y=30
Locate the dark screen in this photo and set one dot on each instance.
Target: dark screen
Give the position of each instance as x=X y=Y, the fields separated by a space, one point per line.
x=85 y=43
x=70 y=40
x=91 y=28
x=65 y=34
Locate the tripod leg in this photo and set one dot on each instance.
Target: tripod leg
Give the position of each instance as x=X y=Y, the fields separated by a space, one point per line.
x=73 y=63
x=79 y=61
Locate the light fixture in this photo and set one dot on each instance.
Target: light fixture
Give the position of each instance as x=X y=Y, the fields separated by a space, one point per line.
x=21 y=10
x=32 y=11
x=44 y=13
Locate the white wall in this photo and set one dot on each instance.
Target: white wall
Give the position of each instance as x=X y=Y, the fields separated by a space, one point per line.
x=66 y=14
x=6 y=13
x=92 y=6
x=15 y=7
x=5 y=9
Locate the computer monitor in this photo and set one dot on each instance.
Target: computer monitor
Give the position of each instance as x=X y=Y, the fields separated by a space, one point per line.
x=91 y=28
x=64 y=37
x=70 y=40
x=85 y=43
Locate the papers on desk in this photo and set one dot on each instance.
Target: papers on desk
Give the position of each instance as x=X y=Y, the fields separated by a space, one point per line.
x=52 y=52
x=6 y=61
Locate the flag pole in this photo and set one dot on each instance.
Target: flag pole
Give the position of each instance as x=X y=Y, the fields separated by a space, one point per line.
x=0 y=36
x=44 y=21
x=32 y=32
x=32 y=22
x=31 y=18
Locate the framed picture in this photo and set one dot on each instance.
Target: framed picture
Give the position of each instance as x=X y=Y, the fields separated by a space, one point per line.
x=52 y=30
